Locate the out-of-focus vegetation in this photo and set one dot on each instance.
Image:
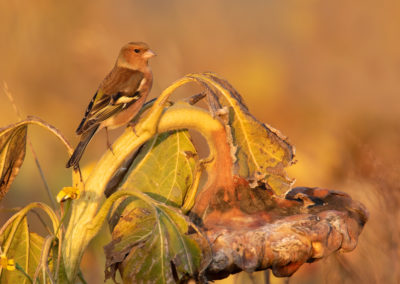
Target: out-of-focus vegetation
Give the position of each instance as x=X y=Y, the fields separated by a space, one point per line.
x=326 y=73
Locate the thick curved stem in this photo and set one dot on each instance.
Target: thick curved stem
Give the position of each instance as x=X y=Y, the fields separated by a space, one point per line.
x=179 y=116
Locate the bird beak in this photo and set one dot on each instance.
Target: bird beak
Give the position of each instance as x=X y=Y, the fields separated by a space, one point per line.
x=149 y=54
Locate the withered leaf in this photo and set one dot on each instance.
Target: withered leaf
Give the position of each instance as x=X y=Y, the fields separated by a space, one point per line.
x=151 y=244
x=262 y=152
x=132 y=222
x=13 y=148
x=12 y=154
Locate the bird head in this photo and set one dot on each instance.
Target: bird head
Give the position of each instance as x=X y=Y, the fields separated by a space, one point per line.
x=135 y=56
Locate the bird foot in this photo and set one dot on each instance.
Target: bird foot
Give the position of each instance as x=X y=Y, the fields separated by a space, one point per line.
x=133 y=125
x=109 y=145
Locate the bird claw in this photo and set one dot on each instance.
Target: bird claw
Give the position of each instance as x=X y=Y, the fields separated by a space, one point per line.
x=110 y=148
x=109 y=145
x=133 y=125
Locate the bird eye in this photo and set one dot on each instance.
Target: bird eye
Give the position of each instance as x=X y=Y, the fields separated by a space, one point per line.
x=136 y=50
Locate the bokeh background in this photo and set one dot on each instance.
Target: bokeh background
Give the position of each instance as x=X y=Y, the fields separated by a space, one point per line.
x=326 y=73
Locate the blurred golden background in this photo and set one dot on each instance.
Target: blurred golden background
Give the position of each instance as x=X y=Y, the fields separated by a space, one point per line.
x=326 y=73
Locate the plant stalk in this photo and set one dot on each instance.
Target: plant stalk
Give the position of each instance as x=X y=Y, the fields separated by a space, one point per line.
x=80 y=229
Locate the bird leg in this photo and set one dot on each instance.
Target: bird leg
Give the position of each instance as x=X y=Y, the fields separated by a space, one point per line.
x=133 y=125
x=80 y=173
x=109 y=146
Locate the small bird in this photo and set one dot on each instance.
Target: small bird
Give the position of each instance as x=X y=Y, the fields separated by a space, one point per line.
x=119 y=97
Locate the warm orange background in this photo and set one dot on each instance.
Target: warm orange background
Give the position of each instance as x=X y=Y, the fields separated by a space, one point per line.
x=326 y=73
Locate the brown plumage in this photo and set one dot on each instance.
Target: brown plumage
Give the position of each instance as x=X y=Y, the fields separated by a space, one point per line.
x=119 y=97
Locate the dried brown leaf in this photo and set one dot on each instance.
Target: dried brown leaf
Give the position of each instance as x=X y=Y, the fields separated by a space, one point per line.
x=12 y=154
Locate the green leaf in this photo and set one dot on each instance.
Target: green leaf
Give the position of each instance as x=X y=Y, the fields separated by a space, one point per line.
x=12 y=154
x=28 y=250
x=134 y=221
x=262 y=152
x=24 y=248
x=160 y=249
x=148 y=237
x=164 y=168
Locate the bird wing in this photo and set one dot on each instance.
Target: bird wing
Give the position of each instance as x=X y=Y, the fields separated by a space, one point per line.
x=118 y=90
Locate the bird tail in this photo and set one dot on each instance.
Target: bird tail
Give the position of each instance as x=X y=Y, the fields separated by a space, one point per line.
x=78 y=152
